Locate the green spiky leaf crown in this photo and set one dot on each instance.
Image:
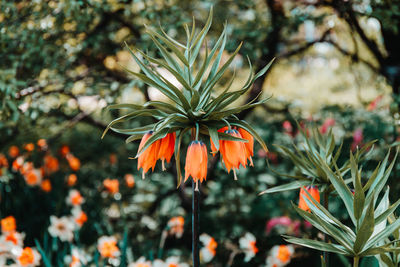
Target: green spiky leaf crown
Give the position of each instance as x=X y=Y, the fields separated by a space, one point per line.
x=194 y=105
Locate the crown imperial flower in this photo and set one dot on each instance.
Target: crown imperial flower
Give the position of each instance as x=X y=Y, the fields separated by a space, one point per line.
x=191 y=105
x=196 y=162
x=313 y=191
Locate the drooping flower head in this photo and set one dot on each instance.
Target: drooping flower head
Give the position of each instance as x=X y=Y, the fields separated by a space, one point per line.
x=233 y=152
x=214 y=150
x=196 y=162
x=148 y=158
x=313 y=191
x=167 y=148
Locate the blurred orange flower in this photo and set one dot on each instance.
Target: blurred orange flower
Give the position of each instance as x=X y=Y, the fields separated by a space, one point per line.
x=51 y=164
x=107 y=246
x=113 y=159
x=29 y=147
x=33 y=177
x=71 y=180
x=26 y=167
x=8 y=224
x=75 y=198
x=175 y=225
x=111 y=185
x=28 y=257
x=74 y=162
x=313 y=191
x=13 y=151
x=196 y=162
x=17 y=163
x=3 y=161
x=64 y=150
x=129 y=180
x=46 y=185
x=167 y=148
x=42 y=144
x=148 y=158
x=80 y=217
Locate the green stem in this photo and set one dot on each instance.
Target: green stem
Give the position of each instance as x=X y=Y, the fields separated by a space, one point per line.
x=356 y=259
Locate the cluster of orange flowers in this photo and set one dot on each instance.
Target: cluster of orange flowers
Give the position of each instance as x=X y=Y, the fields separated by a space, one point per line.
x=34 y=176
x=12 y=245
x=234 y=153
x=161 y=149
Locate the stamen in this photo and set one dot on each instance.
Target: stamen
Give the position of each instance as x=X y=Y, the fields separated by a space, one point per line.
x=251 y=161
x=163 y=165
x=234 y=175
x=197 y=186
x=143 y=174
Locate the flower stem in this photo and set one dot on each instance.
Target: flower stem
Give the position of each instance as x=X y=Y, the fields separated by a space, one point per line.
x=356 y=259
x=195 y=225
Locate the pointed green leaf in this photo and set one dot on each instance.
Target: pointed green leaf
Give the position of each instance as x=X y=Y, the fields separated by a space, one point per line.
x=286 y=187
x=366 y=229
x=318 y=245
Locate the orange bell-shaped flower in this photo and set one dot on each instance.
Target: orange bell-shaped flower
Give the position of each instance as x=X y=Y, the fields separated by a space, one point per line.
x=148 y=158
x=249 y=145
x=233 y=152
x=214 y=150
x=196 y=162
x=313 y=191
x=167 y=148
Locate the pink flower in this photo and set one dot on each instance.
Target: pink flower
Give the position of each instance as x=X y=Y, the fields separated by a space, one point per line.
x=358 y=138
x=284 y=220
x=328 y=123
